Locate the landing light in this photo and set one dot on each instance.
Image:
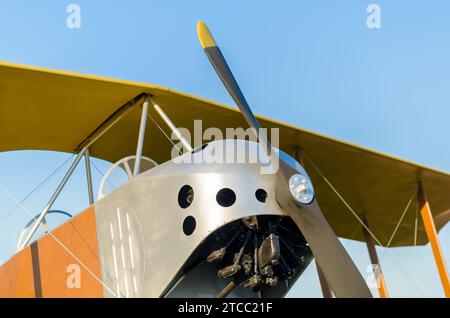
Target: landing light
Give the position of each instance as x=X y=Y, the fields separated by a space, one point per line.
x=301 y=188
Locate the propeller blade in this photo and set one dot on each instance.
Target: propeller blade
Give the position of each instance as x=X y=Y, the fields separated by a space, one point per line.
x=337 y=266
x=222 y=69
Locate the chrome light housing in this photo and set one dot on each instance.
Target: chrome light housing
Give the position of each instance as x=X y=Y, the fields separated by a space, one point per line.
x=301 y=188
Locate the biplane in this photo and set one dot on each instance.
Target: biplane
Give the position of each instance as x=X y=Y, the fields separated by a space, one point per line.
x=181 y=227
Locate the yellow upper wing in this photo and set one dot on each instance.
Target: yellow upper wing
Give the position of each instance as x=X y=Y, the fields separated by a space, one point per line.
x=44 y=109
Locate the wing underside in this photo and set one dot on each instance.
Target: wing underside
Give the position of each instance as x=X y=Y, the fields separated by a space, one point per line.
x=43 y=109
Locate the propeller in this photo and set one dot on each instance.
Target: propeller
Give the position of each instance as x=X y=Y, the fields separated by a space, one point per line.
x=339 y=270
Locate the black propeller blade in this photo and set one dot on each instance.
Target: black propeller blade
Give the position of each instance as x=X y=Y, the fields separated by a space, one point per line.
x=341 y=273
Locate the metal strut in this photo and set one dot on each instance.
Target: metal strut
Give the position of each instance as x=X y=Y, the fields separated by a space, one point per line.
x=83 y=150
x=52 y=199
x=172 y=127
x=140 y=144
x=87 y=161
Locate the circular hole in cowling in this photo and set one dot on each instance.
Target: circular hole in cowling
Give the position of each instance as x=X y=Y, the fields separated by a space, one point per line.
x=261 y=195
x=189 y=225
x=226 y=197
x=185 y=196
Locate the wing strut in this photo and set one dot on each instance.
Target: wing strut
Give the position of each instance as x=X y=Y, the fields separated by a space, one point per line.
x=55 y=195
x=430 y=228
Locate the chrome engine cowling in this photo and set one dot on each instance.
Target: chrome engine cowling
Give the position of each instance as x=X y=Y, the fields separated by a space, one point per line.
x=188 y=227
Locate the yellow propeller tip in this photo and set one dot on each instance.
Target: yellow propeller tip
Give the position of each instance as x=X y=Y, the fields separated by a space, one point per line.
x=205 y=37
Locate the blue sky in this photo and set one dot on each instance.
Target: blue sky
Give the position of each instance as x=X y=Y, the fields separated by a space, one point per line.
x=315 y=64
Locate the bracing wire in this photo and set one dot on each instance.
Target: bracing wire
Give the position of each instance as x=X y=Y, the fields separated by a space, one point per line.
x=402 y=216
x=343 y=200
x=362 y=222
x=164 y=133
x=99 y=171
x=11 y=196
x=37 y=188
